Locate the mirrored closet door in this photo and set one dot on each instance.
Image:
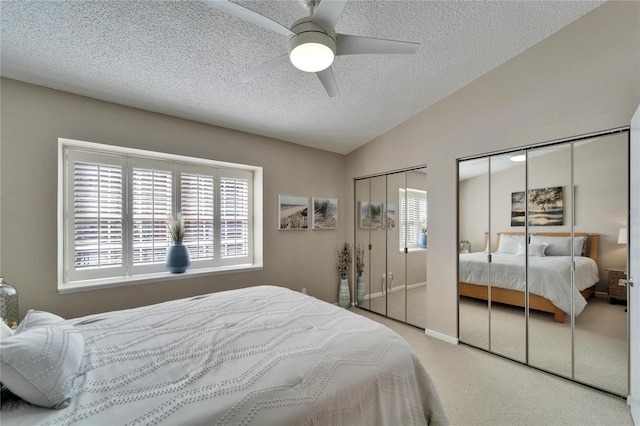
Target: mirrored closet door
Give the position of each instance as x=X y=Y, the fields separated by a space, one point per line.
x=543 y=251
x=391 y=230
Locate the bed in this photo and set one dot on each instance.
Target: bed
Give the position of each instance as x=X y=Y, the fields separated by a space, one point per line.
x=260 y=355
x=549 y=275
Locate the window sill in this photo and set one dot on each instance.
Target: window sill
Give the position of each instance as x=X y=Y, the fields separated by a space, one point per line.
x=100 y=284
x=413 y=249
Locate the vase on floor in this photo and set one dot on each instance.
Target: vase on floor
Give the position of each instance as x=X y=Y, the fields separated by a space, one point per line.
x=178 y=259
x=344 y=296
x=360 y=290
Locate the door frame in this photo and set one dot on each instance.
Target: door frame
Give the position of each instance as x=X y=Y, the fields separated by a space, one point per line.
x=634 y=267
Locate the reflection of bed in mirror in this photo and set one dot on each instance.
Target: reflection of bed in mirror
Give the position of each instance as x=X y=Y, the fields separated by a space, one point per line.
x=549 y=271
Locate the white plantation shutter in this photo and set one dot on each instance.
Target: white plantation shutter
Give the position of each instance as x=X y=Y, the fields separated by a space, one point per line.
x=117 y=206
x=235 y=216
x=152 y=206
x=94 y=216
x=413 y=212
x=197 y=193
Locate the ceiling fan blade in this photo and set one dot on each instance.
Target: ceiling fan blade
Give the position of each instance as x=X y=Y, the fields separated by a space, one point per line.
x=328 y=81
x=248 y=15
x=327 y=13
x=263 y=69
x=354 y=45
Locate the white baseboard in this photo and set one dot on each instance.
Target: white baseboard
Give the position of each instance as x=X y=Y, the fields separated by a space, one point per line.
x=635 y=409
x=393 y=289
x=441 y=336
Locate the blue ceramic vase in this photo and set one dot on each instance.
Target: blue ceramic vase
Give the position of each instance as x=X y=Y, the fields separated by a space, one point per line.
x=422 y=240
x=178 y=259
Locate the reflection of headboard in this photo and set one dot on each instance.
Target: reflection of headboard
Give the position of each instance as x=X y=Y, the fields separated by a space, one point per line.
x=591 y=246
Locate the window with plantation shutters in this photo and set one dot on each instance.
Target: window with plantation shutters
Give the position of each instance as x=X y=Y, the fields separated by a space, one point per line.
x=151 y=210
x=413 y=215
x=97 y=215
x=197 y=192
x=116 y=204
x=234 y=216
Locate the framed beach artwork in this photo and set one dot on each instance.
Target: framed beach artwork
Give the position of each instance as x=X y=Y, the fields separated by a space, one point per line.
x=370 y=215
x=391 y=216
x=293 y=212
x=325 y=213
x=546 y=207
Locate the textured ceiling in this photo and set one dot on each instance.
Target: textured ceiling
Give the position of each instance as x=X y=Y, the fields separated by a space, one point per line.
x=183 y=58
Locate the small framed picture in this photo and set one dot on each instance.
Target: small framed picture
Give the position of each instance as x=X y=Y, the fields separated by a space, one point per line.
x=293 y=212
x=325 y=213
x=391 y=216
x=370 y=215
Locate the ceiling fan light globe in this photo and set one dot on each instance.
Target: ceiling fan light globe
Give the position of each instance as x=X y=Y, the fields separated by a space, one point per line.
x=312 y=51
x=311 y=57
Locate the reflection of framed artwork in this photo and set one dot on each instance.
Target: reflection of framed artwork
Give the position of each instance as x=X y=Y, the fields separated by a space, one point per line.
x=545 y=205
x=391 y=216
x=293 y=212
x=325 y=213
x=370 y=215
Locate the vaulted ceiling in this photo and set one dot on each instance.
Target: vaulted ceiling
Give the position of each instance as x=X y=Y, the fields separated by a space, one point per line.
x=183 y=58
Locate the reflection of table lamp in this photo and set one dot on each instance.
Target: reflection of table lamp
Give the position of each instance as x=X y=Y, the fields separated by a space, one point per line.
x=464 y=247
x=622 y=239
x=622 y=236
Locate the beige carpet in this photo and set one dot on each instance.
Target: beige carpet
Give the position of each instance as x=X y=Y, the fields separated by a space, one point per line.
x=478 y=388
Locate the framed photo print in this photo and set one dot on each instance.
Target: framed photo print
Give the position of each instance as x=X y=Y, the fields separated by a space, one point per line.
x=370 y=215
x=325 y=213
x=293 y=212
x=545 y=205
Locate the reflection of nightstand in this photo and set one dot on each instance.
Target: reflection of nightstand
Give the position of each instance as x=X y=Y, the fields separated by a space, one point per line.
x=617 y=291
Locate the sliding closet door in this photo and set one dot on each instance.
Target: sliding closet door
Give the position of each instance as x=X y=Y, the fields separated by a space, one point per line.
x=550 y=209
x=507 y=275
x=391 y=230
x=396 y=242
x=378 y=252
x=417 y=245
x=601 y=204
x=362 y=195
x=557 y=269
x=473 y=232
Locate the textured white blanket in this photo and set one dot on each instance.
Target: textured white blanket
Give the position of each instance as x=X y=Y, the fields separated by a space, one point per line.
x=261 y=355
x=549 y=276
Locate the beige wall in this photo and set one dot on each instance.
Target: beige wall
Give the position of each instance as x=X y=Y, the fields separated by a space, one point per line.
x=34 y=117
x=583 y=79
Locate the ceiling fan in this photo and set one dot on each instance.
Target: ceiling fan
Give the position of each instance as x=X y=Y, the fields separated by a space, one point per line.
x=312 y=40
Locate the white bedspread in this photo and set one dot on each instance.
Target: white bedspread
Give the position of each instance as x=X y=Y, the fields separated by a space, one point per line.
x=549 y=276
x=261 y=355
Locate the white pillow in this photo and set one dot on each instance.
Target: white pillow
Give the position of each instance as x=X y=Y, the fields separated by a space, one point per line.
x=534 y=249
x=509 y=243
x=5 y=330
x=39 y=364
x=38 y=319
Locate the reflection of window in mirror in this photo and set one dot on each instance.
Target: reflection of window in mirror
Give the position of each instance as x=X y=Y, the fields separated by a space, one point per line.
x=413 y=219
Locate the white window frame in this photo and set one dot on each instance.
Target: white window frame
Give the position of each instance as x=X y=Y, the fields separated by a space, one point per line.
x=127 y=158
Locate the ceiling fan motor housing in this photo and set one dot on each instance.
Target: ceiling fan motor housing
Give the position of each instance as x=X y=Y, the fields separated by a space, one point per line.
x=311 y=49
